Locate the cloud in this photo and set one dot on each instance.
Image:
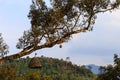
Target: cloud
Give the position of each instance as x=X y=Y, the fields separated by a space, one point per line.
x=83 y=59
x=115 y=19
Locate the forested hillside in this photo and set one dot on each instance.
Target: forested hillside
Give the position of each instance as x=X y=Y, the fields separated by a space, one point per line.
x=51 y=69
x=111 y=71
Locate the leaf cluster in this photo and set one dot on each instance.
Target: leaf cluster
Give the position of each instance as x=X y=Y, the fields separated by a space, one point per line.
x=110 y=72
x=55 y=23
x=3 y=47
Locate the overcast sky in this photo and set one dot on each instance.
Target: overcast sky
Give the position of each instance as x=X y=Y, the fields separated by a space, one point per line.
x=95 y=47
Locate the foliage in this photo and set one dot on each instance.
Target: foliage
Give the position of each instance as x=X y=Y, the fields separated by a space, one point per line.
x=3 y=47
x=111 y=72
x=56 y=23
x=52 y=25
x=52 y=69
x=8 y=72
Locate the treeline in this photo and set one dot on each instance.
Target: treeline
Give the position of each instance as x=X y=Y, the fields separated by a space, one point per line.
x=110 y=72
x=51 y=69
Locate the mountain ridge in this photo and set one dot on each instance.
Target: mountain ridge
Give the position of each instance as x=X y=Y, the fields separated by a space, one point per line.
x=94 y=68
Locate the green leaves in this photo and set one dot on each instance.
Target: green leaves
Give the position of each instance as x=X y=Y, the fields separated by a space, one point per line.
x=55 y=24
x=110 y=72
x=3 y=47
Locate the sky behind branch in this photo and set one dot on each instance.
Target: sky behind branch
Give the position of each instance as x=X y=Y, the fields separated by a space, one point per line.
x=95 y=47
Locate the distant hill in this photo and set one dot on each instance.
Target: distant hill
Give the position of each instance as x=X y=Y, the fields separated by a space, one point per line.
x=94 y=68
x=56 y=69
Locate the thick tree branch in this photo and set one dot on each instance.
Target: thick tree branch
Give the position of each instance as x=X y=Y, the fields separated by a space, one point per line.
x=30 y=49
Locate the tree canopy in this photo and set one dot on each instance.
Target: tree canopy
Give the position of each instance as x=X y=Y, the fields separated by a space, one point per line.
x=3 y=47
x=52 y=69
x=56 y=23
x=110 y=72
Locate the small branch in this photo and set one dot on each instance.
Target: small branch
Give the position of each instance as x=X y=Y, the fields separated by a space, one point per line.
x=104 y=10
x=76 y=21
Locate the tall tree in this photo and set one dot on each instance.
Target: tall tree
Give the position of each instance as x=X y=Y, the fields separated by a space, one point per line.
x=111 y=72
x=3 y=47
x=56 y=23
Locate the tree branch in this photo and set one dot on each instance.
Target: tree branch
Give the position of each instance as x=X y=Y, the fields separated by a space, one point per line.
x=30 y=49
